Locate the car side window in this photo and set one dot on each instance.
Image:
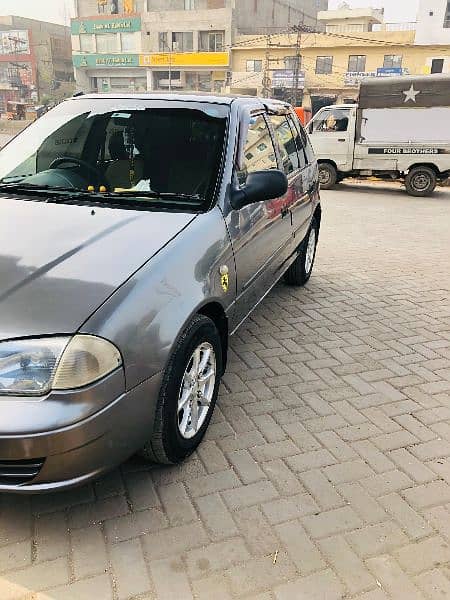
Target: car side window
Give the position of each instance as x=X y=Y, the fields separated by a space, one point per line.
x=306 y=143
x=298 y=142
x=332 y=120
x=286 y=141
x=259 y=153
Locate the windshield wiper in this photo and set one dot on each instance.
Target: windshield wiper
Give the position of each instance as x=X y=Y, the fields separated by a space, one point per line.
x=32 y=188
x=125 y=198
x=156 y=195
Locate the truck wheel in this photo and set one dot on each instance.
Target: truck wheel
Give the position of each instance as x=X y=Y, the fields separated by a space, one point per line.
x=188 y=394
x=327 y=176
x=421 y=181
x=301 y=269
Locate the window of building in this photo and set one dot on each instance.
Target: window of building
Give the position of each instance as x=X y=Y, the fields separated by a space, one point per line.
x=357 y=63
x=106 y=43
x=332 y=120
x=183 y=41
x=121 y=83
x=64 y=76
x=324 y=65
x=259 y=151
x=128 y=41
x=163 y=79
x=189 y=4
x=292 y=62
x=109 y=7
x=447 y=16
x=437 y=65
x=86 y=43
x=163 y=42
x=102 y=6
x=254 y=66
x=393 y=61
x=211 y=41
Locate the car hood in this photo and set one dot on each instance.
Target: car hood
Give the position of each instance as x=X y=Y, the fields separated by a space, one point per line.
x=59 y=263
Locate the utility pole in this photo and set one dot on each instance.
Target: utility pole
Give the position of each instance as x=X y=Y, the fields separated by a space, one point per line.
x=266 y=77
x=297 y=65
x=170 y=49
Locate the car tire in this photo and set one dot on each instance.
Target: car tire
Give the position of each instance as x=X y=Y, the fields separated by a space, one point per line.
x=421 y=181
x=172 y=439
x=328 y=176
x=301 y=269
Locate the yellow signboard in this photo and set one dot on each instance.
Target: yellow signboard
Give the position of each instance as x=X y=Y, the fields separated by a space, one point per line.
x=185 y=59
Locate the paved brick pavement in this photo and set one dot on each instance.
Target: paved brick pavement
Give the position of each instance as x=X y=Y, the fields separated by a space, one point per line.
x=326 y=471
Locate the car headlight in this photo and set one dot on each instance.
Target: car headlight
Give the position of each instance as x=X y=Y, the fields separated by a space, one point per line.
x=34 y=367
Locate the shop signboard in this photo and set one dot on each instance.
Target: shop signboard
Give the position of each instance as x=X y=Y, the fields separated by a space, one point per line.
x=185 y=59
x=90 y=61
x=286 y=78
x=112 y=25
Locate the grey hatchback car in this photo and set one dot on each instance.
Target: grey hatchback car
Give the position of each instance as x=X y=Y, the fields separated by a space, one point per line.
x=137 y=232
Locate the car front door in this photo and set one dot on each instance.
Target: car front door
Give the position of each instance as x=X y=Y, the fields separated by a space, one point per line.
x=261 y=233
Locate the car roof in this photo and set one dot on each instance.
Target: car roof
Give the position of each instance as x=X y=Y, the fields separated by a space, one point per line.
x=226 y=99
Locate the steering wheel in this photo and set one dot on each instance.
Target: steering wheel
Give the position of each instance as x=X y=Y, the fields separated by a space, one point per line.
x=82 y=163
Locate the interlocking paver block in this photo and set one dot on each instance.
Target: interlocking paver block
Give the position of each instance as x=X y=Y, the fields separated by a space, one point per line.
x=318 y=586
x=332 y=522
x=216 y=557
x=300 y=548
x=130 y=570
x=344 y=561
x=415 y=526
x=393 y=579
x=377 y=539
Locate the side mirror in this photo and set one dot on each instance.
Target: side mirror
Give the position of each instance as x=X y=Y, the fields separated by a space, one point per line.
x=260 y=186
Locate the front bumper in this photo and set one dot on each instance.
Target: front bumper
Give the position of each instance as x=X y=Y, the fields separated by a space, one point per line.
x=74 y=454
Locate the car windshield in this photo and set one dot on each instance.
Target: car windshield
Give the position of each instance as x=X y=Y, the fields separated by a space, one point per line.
x=121 y=150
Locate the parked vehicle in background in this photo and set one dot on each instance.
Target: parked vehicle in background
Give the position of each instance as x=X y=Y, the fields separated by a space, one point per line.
x=398 y=131
x=137 y=233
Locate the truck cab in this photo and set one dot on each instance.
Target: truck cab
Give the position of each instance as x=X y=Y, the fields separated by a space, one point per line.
x=332 y=133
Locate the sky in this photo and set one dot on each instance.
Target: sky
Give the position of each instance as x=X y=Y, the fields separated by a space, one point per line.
x=59 y=10
x=394 y=10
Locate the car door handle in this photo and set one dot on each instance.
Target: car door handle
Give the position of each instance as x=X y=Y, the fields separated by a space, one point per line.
x=342 y=140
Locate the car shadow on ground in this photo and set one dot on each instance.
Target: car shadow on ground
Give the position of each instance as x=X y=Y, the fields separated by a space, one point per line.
x=396 y=190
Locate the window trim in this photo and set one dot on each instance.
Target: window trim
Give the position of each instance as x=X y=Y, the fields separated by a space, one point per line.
x=322 y=57
x=392 y=66
x=252 y=60
x=357 y=57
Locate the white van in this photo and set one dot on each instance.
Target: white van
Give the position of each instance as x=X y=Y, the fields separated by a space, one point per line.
x=399 y=130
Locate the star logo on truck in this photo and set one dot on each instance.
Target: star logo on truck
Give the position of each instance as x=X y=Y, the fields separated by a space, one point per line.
x=411 y=94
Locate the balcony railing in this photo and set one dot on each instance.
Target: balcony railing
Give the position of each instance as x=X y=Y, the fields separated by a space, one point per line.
x=411 y=26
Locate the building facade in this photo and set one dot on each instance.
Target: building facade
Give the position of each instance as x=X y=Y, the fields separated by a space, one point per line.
x=351 y=20
x=147 y=45
x=326 y=68
x=35 y=61
x=272 y=16
x=433 y=27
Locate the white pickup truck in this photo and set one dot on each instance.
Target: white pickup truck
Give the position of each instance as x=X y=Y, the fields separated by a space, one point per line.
x=399 y=130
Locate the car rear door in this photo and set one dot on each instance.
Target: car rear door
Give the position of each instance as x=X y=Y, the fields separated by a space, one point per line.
x=293 y=162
